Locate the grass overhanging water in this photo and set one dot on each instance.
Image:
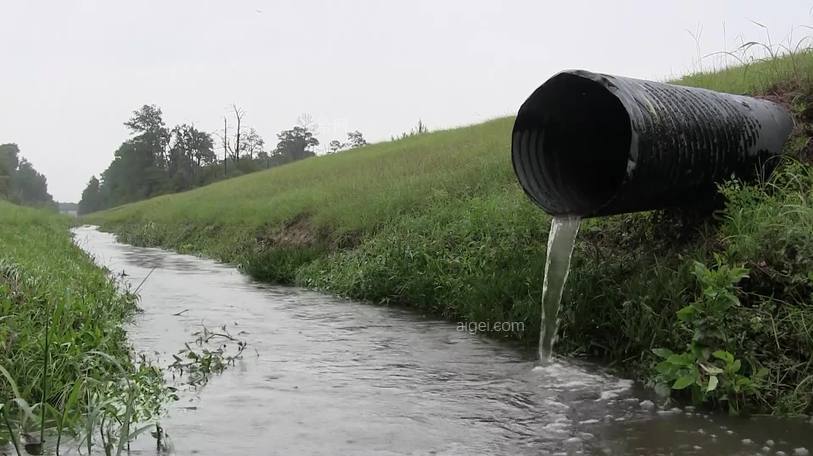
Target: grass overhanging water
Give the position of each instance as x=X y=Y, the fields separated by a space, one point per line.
x=66 y=371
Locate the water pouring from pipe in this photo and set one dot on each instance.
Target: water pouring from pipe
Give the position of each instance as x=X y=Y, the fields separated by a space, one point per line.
x=562 y=238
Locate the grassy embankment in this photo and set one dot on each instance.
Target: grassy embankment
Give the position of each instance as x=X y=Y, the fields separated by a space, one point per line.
x=65 y=365
x=438 y=222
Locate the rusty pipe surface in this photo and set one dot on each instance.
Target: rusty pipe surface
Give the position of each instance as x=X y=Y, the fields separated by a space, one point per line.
x=589 y=144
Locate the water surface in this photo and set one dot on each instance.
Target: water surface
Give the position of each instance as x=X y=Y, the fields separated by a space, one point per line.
x=328 y=376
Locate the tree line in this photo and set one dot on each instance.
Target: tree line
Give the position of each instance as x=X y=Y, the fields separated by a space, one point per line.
x=20 y=183
x=156 y=159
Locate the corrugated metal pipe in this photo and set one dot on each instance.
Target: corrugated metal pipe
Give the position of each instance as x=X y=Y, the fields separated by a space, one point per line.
x=588 y=144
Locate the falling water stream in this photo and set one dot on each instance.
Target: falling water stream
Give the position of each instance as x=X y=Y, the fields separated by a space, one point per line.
x=562 y=237
x=327 y=376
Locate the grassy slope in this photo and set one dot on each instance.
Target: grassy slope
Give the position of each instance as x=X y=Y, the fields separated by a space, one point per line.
x=438 y=222
x=42 y=272
x=52 y=294
x=355 y=190
x=759 y=77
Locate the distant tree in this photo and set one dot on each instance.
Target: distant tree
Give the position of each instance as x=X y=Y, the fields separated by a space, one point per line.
x=189 y=149
x=296 y=144
x=252 y=143
x=140 y=165
x=133 y=174
x=181 y=165
x=9 y=159
x=355 y=139
x=147 y=119
x=19 y=181
x=201 y=145
x=335 y=146
x=91 y=197
x=237 y=144
x=156 y=160
x=264 y=158
x=147 y=124
x=305 y=121
x=28 y=186
x=225 y=141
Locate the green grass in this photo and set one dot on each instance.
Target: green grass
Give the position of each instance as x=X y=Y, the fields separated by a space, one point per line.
x=439 y=223
x=757 y=77
x=63 y=352
x=358 y=189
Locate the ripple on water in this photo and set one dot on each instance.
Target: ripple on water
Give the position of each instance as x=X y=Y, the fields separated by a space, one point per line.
x=338 y=377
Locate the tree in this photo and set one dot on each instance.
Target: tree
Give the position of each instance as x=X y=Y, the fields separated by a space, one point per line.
x=157 y=160
x=91 y=197
x=19 y=181
x=241 y=143
x=149 y=118
x=201 y=145
x=225 y=140
x=147 y=124
x=5 y=183
x=28 y=186
x=252 y=144
x=140 y=165
x=264 y=159
x=133 y=174
x=238 y=116
x=296 y=144
x=181 y=165
x=305 y=121
x=189 y=149
x=355 y=139
x=335 y=146
x=9 y=159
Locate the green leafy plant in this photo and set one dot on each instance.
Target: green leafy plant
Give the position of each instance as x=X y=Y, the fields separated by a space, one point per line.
x=206 y=361
x=706 y=369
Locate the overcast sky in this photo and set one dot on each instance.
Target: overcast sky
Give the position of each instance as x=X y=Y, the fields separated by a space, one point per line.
x=72 y=71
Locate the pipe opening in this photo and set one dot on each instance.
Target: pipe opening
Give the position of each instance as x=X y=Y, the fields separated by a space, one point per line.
x=571 y=144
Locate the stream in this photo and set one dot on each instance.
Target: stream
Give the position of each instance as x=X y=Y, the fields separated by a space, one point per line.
x=328 y=376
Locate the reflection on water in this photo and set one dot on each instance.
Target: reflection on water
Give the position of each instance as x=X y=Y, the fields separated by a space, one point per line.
x=324 y=375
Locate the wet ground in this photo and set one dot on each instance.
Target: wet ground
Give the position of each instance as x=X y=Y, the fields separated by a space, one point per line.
x=323 y=375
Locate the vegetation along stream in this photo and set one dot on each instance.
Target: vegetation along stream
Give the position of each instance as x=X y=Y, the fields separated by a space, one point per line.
x=324 y=375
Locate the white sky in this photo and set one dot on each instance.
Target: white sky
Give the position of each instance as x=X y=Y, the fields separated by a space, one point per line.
x=72 y=71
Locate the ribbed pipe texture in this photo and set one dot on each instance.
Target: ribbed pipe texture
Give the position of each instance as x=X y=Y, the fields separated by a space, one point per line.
x=590 y=144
